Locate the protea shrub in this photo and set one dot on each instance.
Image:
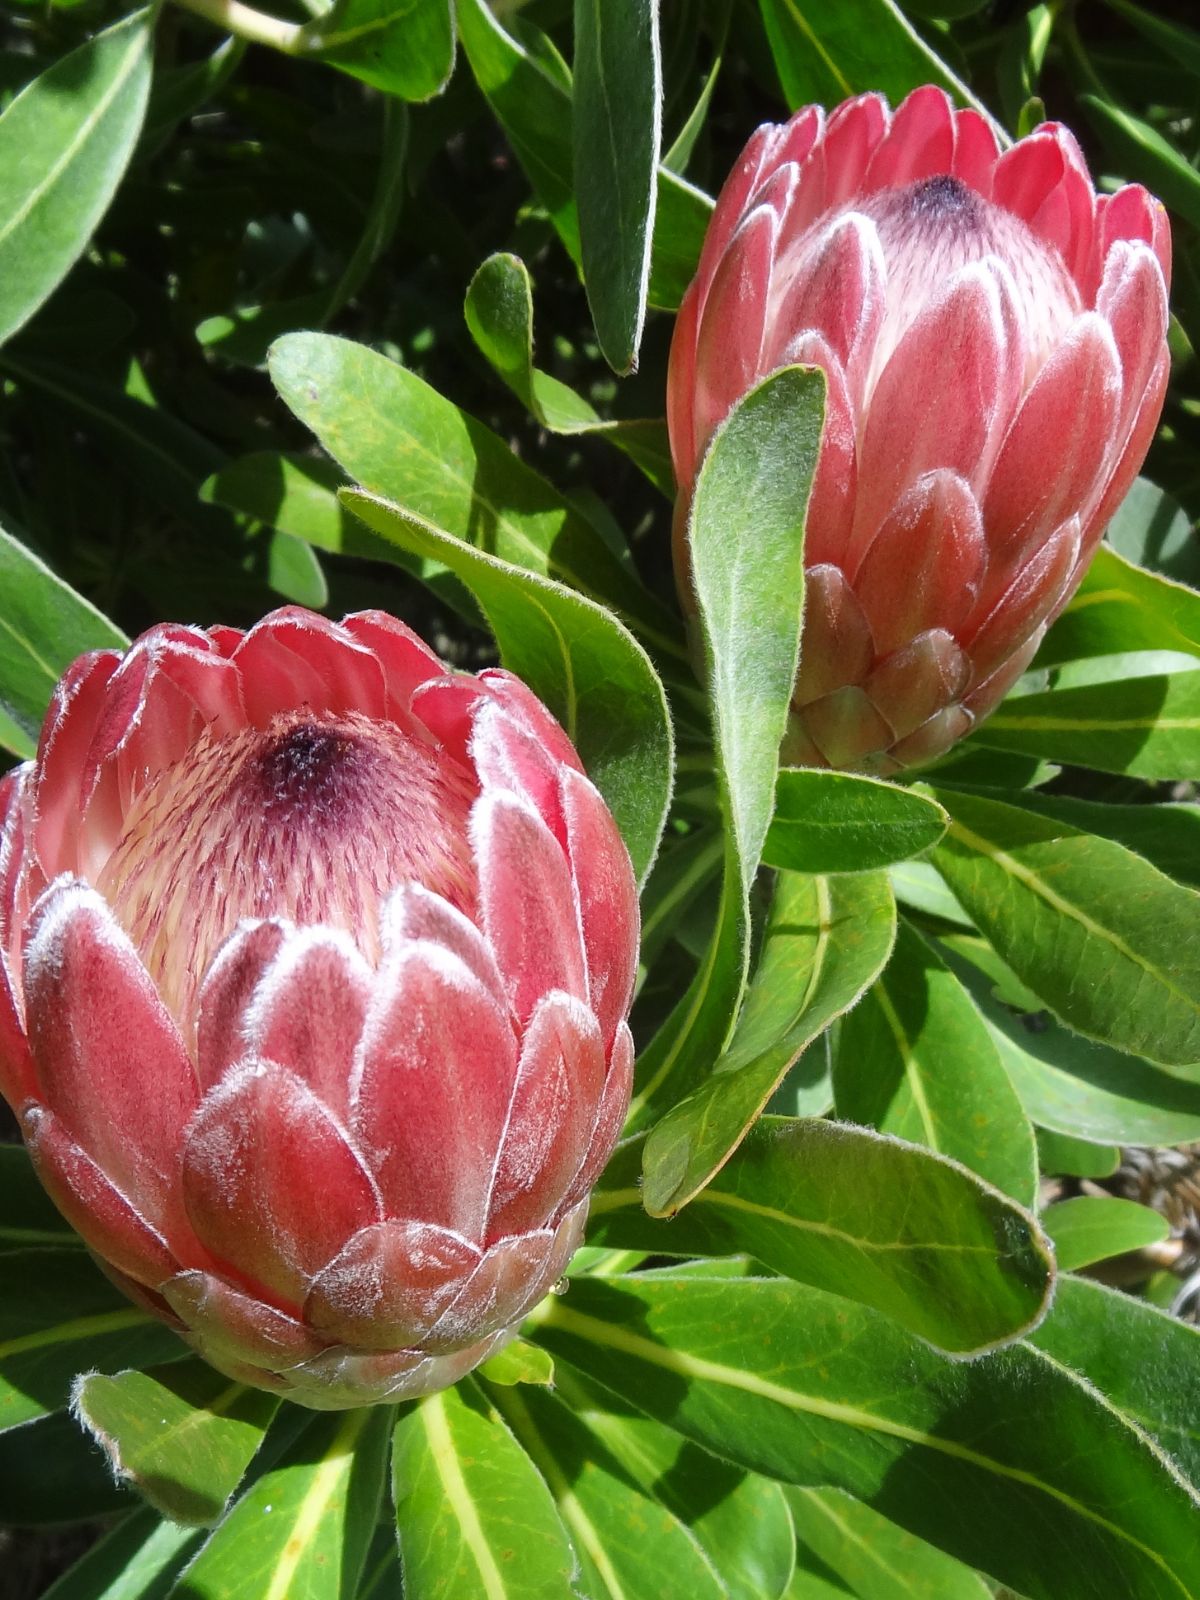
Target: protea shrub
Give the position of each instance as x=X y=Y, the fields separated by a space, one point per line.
x=993 y=335
x=315 y=959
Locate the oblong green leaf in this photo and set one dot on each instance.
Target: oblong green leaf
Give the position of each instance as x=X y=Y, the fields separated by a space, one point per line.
x=617 y=136
x=297 y=495
x=475 y=1518
x=883 y=1222
x=534 y=108
x=182 y=1435
x=628 y=1543
x=592 y=674
x=1179 y=44
x=1060 y=1153
x=1089 y=1228
x=746 y=550
x=1120 y=606
x=1144 y=154
x=1107 y=941
x=1011 y=1464
x=840 y=822
x=915 y=1058
x=825 y=54
x=302 y=1529
x=518 y=1362
x=1076 y=1087
x=403 y=47
x=1144 y=727
x=65 y=142
x=44 y=625
x=499 y=314
x=872 y=1556
x=59 y=1316
x=138 y=1560
x=740 y=1518
x=826 y=940
x=1168 y=835
x=406 y=443
x=1146 y=1363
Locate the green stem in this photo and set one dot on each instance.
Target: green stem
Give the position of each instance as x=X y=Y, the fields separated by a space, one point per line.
x=233 y=17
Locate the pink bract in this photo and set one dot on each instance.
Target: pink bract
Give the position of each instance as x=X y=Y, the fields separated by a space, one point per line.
x=993 y=335
x=315 y=960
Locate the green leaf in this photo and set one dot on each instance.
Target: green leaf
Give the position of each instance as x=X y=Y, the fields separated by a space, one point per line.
x=404 y=442
x=518 y=1362
x=1144 y=154
x=1144 y=727
x=1020 y=60
x=1081 y=1158
x=65 y=142
x=845 y=1209
x=874 y=1558
x=1011 y=1464
x=59 y=1316
x=839 y=822
x=825 y=54
x=44 y=625
x=475 y=1519
x=915 y=1059
x=1152 y=531
x=746 y=547
x=297 y=495
x=1180 y=45
x=1168 y=836
x=617 y=137
x=739 y=1518
x=1106 y=940
x=499 y=313
x=826 y=939
x=303 y=1527
x=590 y=672
x=1119 y=606
x=1146 y=1363
x=627 y=1542
x=404 y=47
x=683 y=870
x=534 y=109
x=680 y=224
x=921 y=887
x=1078 y=1088
x=182 y=1436
x=28 y=1217
x=676 y=159
x=1090 y=1228
x=138 y=1560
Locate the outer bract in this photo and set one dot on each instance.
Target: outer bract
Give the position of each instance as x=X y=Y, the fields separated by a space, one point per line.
x=994 y=339
x=314 y=966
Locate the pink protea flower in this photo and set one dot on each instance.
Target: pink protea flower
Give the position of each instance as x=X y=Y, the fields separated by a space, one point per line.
x=994 y=339
x=314 y=966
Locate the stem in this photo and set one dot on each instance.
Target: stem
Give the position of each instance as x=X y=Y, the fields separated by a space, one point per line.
x=256 y=26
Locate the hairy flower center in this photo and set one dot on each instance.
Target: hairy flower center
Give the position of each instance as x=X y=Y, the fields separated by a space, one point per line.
x=931 y=229
x=312 y=820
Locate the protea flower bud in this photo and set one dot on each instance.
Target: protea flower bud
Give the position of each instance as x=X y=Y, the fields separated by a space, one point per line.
x=314 y=966
x=994 y=339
